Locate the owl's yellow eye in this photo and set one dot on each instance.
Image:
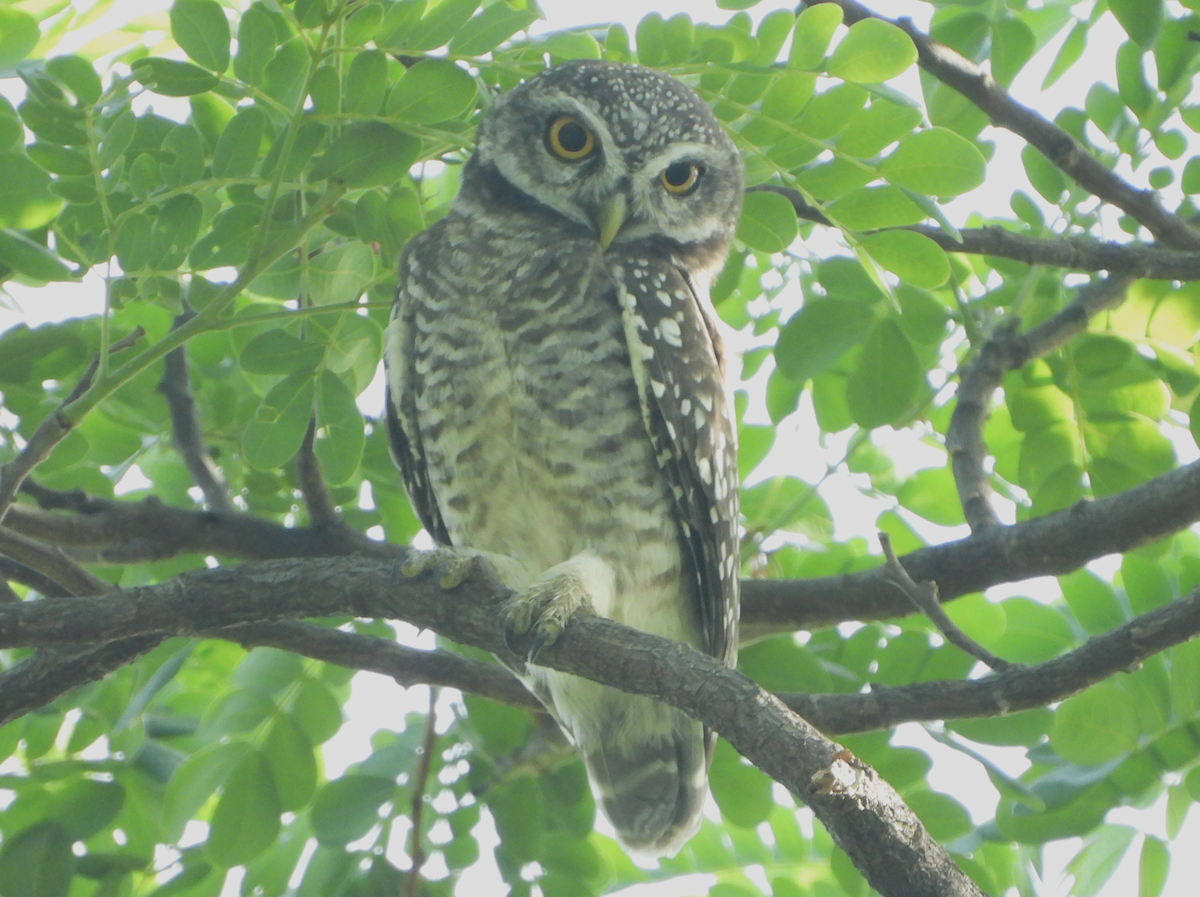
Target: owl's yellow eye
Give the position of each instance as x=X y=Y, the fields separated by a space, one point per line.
x=680 y=178
x=568 y=138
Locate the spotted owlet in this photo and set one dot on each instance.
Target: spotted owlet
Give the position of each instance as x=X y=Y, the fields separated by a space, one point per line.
x=556 y=400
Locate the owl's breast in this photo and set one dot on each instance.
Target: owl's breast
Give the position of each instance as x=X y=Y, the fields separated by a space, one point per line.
x=529 y=411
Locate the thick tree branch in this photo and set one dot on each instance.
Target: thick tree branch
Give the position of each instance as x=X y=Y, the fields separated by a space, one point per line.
x=51 y=431
x=964 y=76
x=1006 y=351
x=864 y=815
x=185 y=429
x=1050 y=545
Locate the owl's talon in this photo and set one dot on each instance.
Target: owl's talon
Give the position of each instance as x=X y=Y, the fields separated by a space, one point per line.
x=449 y=565
x=510 y=634
x=539 y=642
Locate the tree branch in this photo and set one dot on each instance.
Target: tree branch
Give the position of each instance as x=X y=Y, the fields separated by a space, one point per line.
x=1044 y=546
x=185 y=428
x=864 y=814
x=1010 y=690
x=1004 y=352
x=126 y=532
x=1074 y=253
x=959 y=73
x=1050 y=545
x=321 y=511
x=924 y=597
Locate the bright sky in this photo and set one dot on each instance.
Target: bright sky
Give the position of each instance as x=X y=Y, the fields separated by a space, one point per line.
x=953 y=773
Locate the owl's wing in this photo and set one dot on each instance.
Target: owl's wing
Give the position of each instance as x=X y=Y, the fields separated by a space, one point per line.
x=400 y=409
x=678 y=364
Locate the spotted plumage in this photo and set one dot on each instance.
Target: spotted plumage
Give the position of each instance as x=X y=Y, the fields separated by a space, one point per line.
x=556 y=399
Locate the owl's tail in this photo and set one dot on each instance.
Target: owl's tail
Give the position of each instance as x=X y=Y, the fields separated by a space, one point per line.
x=653 y=791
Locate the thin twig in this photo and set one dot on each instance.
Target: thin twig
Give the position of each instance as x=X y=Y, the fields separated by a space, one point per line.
x=964 y=76
x=924 y=597
x=1006 y=351
x=1073 y=253
x=416 y=848
x=321 y=512
x=52 y=430
x=51 y=562
x=186 y=434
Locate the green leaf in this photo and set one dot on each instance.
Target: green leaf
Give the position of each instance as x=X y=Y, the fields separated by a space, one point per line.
x=872 y=51
x=274 y=435
x=367 y=154
x=819 y=334
x=1013 y=44
x=172 y=78
x=937 y=162
x=648 y=36
x=875 y=207
x=439 y=24
x=741 y=791
x=19 y=34
x=12 y=135
x=175 y=231
x=283 y=78
x=1096 y=726
x=912 y=257
x=85 y=806
x=1153 y=865
x=878 y=126
x=768 y=222
x=116 y=139
x=278 y=352
x=1102 y=853
x=931 y=494
x=366 y=83
x=238 y=148
x=289 y=754
x=32 y=259
x=433 y=90
x=1141 y=19
x=492 y=27
x=885 y=379
x=78 y=75
x=256 y=45
x=1132 y=85
x=201 y=30
x=1068 y=54
x=944 y=817
x=347 y=808
x=1092 y=601
x=196 y=780
x=38 y=862
x=810 y=39
x=245 y=821
x=341 y=274
x=340 y=435
x=362 y=24
x=26 y=202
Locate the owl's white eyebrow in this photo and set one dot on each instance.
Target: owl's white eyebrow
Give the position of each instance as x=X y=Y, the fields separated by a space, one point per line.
x=681 y=152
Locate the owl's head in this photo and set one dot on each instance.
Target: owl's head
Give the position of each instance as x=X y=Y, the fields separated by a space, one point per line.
x=620 y=150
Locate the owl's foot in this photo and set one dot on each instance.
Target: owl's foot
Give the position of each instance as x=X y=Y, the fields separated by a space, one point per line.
x=452 y=565
x=545 y=607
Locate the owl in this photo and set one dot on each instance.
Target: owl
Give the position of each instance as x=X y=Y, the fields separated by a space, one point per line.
x=556 y=401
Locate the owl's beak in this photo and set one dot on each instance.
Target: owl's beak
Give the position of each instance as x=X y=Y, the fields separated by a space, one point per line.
x=612 y=216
